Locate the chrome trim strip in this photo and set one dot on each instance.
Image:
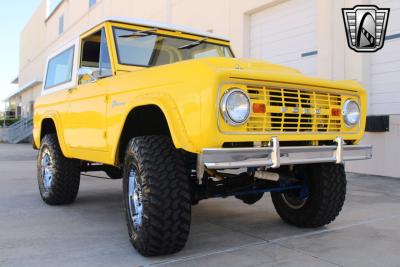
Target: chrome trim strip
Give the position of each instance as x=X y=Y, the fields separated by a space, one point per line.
x=339 y=150
x=224 y=109
x=276 y=152
x=305 y=149
x=344 y=107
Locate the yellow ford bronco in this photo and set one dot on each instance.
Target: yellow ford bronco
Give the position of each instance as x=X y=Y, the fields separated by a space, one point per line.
x=173 y=113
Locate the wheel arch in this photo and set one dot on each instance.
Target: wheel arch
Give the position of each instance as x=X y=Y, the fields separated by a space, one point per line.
x=49 y=124
x=153 y=119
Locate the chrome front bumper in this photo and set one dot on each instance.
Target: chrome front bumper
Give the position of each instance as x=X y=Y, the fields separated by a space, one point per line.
x=275 y=156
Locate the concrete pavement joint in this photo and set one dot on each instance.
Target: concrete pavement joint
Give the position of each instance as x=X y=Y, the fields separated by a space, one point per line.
x=305 y=253
x=240 y=232
x=278 y=244
x=188 y=258
x=335 y=228
x=365 y=222
x=275 y=242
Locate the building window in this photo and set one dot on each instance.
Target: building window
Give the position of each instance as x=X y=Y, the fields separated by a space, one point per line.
x=52 y=6
x=59 y=69
x=61 y=25
x=92 y=3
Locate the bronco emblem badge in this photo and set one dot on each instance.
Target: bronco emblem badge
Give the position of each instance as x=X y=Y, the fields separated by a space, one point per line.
x=365 y=27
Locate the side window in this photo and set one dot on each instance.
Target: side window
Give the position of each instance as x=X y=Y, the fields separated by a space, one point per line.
x=105 y=63
x=59 y=69
x=95 y=55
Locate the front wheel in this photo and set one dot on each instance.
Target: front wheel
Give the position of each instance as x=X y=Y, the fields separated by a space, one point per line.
x=156 y=196
x=319 y=202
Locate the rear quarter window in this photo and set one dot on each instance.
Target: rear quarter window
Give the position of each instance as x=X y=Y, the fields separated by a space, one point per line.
x=59 y=68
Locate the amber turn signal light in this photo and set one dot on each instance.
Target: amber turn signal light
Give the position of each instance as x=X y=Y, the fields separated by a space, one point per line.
x=336 y=112
x=259 y=108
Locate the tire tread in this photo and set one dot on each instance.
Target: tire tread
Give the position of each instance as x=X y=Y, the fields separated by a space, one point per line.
x=66 y=178
x=168 y=209
x=329 y=181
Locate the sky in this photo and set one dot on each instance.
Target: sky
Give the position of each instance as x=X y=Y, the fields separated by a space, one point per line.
x=13 y=17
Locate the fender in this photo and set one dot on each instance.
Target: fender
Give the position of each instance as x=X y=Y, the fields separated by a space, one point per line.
x=170 y=110
x=55 y=117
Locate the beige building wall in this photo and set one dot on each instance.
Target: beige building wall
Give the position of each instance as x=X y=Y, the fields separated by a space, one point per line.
x=386 y=148
x=32 y=40
x=227 y=17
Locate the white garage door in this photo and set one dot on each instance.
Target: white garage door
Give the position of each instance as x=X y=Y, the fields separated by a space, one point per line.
x=286 y=34
x=385 y=66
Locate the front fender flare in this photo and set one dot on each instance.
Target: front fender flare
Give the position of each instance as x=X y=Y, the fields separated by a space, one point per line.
x=55 y=117
x=170 y=110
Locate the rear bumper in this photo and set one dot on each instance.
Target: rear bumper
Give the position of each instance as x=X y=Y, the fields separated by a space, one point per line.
x=275 y=156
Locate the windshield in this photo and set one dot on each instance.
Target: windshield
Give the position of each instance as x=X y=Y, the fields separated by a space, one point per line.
x=145 y=48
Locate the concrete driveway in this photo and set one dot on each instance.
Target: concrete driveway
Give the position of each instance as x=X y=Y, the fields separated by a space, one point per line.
x=225 y=232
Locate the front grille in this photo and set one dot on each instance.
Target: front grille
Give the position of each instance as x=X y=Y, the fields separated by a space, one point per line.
x=294 y=110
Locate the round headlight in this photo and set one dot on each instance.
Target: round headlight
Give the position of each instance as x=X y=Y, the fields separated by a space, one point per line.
x=351 y=113
x=235 y=107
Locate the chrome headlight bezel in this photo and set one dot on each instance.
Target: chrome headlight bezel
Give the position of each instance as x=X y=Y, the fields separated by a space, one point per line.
x=224 y=107
x=345 y=112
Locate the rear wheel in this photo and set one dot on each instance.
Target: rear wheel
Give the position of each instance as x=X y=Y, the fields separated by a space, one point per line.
x=156 y=196
x=319 y=202
x=58 y=177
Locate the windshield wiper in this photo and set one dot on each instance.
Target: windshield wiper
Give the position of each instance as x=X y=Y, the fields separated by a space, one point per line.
x=193 y=44
x=139 y=33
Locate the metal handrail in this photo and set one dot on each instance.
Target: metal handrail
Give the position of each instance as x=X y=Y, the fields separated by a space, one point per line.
x=19 y=131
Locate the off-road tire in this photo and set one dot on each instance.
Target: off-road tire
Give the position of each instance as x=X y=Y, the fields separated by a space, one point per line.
x=327 y=191
x=165 y=196
x=66 y=178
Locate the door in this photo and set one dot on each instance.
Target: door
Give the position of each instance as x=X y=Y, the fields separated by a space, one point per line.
x=286 y=34
x=86 y=125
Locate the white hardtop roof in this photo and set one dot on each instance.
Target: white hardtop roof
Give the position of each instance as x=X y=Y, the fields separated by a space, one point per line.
x=162 y=25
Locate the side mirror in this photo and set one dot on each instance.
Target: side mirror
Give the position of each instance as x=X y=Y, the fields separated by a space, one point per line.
x=86 y=75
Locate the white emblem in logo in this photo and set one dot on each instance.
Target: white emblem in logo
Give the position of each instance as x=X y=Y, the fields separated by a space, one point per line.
x=366 y=27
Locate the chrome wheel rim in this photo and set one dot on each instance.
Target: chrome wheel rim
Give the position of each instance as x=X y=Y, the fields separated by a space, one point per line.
x=135 y=199
x=47 y=169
